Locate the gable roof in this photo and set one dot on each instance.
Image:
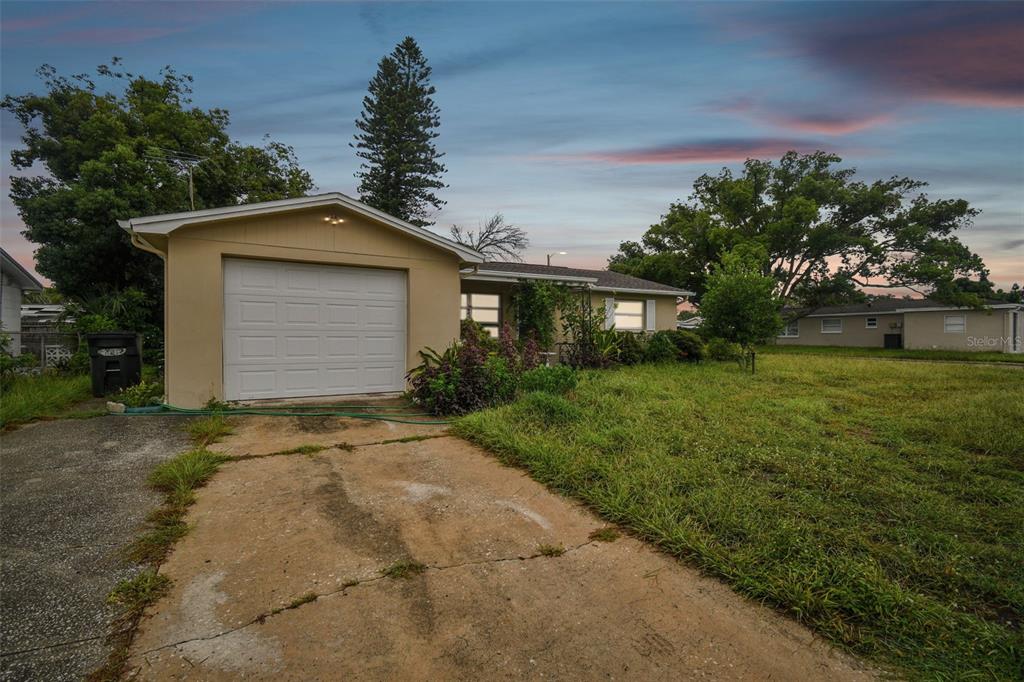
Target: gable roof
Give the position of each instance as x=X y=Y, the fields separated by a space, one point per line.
x=599 y=280
x=889 y=305
x=13 y=269
x=169 y=222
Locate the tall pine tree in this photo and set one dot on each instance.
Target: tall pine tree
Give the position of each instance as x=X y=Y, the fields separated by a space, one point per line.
x=401 y=167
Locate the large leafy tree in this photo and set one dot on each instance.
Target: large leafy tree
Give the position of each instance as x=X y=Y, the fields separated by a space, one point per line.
x=401 y=168
x=109 y=153
x=824 y=233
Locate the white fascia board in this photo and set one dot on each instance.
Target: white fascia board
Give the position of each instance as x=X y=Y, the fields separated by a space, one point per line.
x=867 y=314
x=999 y=306
x=505 y=276
x=649 y=292
x=167 y=223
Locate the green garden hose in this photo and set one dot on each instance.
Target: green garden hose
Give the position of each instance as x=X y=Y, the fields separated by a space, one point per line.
x=289 y=411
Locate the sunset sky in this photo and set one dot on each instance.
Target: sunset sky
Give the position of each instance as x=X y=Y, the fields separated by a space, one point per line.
x=582 y=122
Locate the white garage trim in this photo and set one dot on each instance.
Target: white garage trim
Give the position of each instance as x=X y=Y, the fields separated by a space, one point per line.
x=294 y=330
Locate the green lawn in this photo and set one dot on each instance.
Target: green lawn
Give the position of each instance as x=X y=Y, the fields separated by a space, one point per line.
x=39 y=397
x=899 y=354
x=880 y=503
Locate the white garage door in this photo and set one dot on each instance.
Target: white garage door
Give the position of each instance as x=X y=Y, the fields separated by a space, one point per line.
x=293 y=330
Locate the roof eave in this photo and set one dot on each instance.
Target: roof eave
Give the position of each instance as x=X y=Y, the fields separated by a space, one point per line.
x=654 y=292
x=167 y=223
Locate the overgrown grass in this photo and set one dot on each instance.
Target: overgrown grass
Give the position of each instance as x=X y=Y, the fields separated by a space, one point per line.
x=209 y=430
x=46 y=396
x=178 y=479
x=133 y=596
x=894 y=353
x=880 y=503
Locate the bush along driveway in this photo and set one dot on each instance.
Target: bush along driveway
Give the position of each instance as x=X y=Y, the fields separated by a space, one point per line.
x=73 y=496
x=329 y=548
x=880 y=503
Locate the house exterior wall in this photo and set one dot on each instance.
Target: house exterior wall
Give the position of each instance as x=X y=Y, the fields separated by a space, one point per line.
x=195 y=284
x=664 y=315
x=855 y=331
x=10 y=311
x=985 y=330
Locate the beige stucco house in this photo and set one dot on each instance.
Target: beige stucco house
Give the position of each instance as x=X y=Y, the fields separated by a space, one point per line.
x=910 y=323
x=323 y=295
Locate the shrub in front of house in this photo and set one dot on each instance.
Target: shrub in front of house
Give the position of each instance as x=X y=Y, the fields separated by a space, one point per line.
x=631 y=348
x=661 y=348
x=722 y=350
x=557 y=380
x=689 y=345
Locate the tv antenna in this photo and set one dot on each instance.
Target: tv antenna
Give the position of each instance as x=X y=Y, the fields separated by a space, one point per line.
x=182 y=161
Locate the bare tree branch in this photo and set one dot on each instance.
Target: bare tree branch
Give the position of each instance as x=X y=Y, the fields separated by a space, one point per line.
x=496 y=239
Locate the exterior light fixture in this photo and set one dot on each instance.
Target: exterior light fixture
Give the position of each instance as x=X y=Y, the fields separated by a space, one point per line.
x=333 y=219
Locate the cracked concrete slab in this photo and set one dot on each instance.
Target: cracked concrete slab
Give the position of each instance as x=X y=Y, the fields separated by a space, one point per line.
x=72 y=495
x=281 y=578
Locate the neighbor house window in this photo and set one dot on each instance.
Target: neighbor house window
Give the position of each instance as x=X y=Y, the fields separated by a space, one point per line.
x=832 y=325
x=629 y=316
x=791 y=330
x=871 y=323
x=484 y=309
x=954 y=324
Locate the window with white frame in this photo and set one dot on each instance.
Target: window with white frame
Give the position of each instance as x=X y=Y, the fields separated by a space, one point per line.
x=484 y=309
x=871 y=323
x=954 y=324
x=791 y=330
x=629 y=316
x=832 y=325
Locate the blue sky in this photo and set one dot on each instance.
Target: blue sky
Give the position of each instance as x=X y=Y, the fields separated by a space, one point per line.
x=581 y=122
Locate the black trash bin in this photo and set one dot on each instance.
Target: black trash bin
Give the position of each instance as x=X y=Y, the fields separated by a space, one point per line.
x=115 y=359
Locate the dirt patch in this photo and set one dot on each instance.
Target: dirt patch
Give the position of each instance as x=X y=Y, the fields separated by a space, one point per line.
x=292 y=552
x=320 y=424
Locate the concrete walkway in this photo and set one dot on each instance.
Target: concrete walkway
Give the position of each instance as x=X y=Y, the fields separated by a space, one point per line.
x=72 y=495
x=283 y=577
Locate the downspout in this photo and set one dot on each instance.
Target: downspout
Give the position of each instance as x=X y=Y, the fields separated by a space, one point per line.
x=140 y=243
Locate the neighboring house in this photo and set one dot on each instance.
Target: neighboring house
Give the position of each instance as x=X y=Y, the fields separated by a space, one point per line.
x=42 y=333
x=323 y=295
x=14 y=281
x=909 y=323
x=690 y=323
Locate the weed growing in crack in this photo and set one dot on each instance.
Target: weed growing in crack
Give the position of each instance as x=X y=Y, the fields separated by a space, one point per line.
x=349 y=583
x=411 y=439
x=550 y=550
x=405 y=568
x=209 y=430
x=302 y=450
x=135 y=594
x=347 y=447
x=606 y=534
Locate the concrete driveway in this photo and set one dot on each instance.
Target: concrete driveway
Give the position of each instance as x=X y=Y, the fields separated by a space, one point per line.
x=283 y=576
x=72 y=495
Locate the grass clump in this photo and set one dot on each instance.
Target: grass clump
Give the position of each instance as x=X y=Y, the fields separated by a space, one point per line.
x=135 y=594
x=209 y=430
x=550 y=550
x=880 y=503
x=44 y=396
x=404 y=568
x=606 y=534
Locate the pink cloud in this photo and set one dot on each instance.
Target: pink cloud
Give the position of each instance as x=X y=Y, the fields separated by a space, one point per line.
x=119 y=35
x=812 y=120
x=956 y=53
x=722 y=151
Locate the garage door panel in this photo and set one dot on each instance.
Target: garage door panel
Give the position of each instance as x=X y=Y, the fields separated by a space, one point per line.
x=294 y=330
